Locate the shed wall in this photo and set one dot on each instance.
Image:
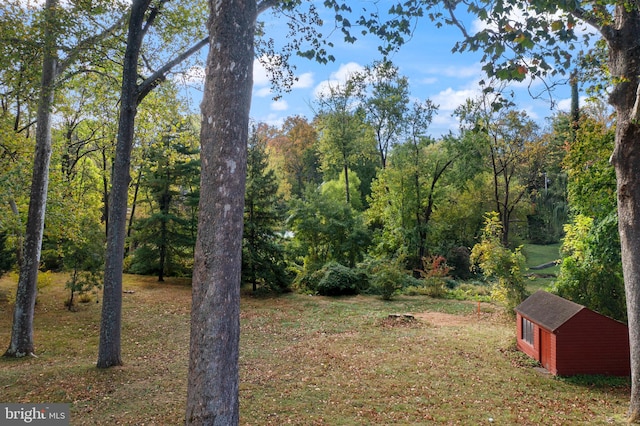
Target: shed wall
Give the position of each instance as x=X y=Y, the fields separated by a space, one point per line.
x=532 y=350
x=590 y=343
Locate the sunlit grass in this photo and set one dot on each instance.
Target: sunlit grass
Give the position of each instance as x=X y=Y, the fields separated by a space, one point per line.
x=304 y=360
x=536 y=255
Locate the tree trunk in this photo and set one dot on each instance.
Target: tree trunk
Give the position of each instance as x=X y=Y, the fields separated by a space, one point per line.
x=105 y=191
x=18 y=234
x=134 y=203
x=110 y=326
x=22 y=329
x=212 y=393
x=346 y=180
x=624 y=63
x=163 y=245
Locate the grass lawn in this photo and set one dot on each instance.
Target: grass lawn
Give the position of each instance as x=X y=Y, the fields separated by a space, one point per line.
x=536 y=255
x=305 y=360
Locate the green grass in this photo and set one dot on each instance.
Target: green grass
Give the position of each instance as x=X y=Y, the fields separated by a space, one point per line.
x=535 y=255
x=539 y=254
x=304 y=360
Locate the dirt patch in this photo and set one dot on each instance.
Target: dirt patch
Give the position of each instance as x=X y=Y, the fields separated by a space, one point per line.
x=442 y=319
x=400 y=320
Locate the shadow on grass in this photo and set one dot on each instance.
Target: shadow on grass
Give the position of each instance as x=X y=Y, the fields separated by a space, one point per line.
x=598 y=381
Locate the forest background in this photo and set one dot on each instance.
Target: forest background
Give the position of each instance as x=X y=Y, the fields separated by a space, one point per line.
x=357 y=199
x=361 y=191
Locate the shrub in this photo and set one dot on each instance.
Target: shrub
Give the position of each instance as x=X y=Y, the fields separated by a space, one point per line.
x=468 y=291
x=459 y=259
x=434 y=273
x=387 y=278
x=501 y=264
x=307 y=279
x=338 y=280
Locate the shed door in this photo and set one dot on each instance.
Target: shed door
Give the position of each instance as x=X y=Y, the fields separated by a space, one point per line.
x=545 y=349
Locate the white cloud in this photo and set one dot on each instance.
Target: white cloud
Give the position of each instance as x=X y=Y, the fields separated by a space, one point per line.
x=263 y=92
x=474 y=70
x=517 y=16
x=260 y=75
x=275 y=120
x=450 y=99
x=280 y=105
x=345 y=71
x=428 y=80
x=337 y=78
x=564 y=105
x=530 y=111
x=304 y=81
x=443 y=124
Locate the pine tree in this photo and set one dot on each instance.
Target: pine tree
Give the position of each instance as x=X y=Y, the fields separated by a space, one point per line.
x=166 y=236
x=262 y=254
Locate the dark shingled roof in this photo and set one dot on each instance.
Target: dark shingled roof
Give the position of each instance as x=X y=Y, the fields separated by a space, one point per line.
x=548 y=310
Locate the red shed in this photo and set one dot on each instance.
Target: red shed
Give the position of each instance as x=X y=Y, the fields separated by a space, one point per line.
x=569 y=339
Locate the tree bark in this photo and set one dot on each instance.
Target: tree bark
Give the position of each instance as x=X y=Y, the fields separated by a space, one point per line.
x=212 y=393
x=624 y=63
x=132 y=94
x=22 y=330
x=111 y=320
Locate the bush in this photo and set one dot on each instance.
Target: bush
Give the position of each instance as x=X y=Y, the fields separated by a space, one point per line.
x=339 y=280
x=501 y=264
x=469 y=291
x=459 y=259
x=435 y=273
x=307 y=279
x=387 y=278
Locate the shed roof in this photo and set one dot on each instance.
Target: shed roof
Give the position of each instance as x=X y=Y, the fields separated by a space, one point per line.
x=548 y=310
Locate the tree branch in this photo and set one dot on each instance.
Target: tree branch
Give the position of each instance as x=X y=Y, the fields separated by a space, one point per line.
x=88 y=42
x=449 y=5
x=265 y=5
x=152 y=16
x=585 y=17
x=152 y=81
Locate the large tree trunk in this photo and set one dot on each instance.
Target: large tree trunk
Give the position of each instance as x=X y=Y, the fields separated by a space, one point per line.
x=212 y=393
x=22 y=329
x=111 y=322
x=624 y=63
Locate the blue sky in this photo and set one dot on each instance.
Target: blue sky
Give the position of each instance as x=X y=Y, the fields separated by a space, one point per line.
x=434 y=72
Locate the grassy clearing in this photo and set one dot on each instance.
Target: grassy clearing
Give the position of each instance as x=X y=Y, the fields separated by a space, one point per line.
x=304 y=360
x=535 y=255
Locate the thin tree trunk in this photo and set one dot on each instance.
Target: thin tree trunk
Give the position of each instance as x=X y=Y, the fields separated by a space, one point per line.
x=132 y=94
x=18 y=233
x=134 y=203
x=22 y=329
x=346 y=181
x=111 y=322
x=105 y=191
x=212 y=392
x=163 y=245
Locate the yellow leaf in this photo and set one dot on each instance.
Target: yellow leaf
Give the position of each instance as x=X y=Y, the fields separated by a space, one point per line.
x=557 y=25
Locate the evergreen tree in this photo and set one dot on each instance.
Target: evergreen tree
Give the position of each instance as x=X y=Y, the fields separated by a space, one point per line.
x=7 y=255
x=262 y=253
x=166 y=237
